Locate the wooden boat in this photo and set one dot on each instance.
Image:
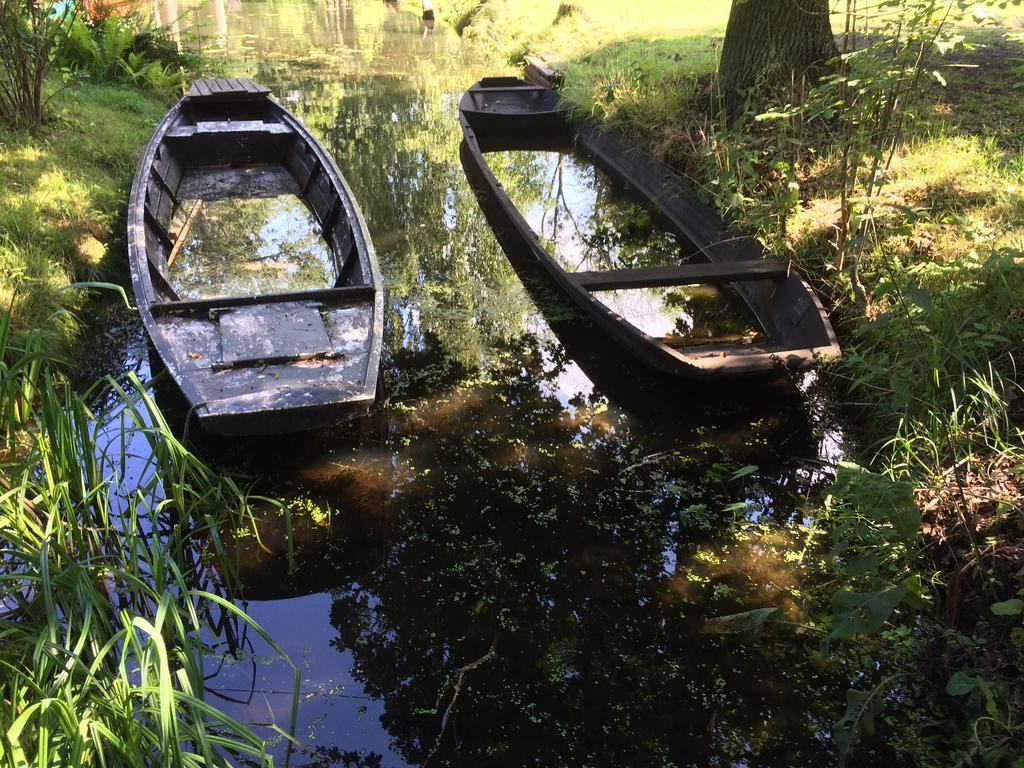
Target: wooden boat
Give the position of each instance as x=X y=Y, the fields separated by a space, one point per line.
x=508 y=113
x=267 y=362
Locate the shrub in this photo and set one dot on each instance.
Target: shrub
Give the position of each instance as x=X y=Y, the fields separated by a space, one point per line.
x=31 y=38
x=111 y=50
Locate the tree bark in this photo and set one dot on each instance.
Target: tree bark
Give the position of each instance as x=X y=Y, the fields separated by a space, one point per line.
x=773 y=43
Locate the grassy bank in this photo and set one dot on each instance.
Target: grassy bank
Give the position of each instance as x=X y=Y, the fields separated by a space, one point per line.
x=62 y=196
x=667 y=36
x=931 y=323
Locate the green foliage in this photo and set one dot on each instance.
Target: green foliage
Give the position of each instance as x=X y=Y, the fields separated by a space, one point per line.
x=863 y=613
x=113 y=588
x=1011 y=607
x=31 y=39
x=111 y=50
x=874 y=523
x=862 y=707
x=940 y=361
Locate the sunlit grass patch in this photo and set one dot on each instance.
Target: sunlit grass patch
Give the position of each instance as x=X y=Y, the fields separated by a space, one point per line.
x=62 y=191
x=943 y=196
x=513 y=28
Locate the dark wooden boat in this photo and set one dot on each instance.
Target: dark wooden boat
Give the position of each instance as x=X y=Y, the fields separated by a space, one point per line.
x=276 y=361
x=507 y=113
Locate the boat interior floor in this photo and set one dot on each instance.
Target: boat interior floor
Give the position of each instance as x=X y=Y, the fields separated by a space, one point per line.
x=245 y=231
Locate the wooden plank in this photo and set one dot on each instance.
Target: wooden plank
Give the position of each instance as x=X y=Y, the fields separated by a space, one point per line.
x=498 y=82
x=332 y=215
x=309 y=179
x=163 y=184
x=733 y=339
x=226 y=89
x=684 y=274
x=272 y=333
x=540 y=72
x=228 y=127
x=511 y=89
x=203 y=306
x=179 y=242
x=158 y=228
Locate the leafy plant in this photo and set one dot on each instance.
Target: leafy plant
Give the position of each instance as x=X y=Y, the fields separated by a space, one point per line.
x=111 y=50
x=31 y=39
x=115 y=590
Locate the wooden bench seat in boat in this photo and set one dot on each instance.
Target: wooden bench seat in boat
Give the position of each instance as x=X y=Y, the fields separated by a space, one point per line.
x=683 y=274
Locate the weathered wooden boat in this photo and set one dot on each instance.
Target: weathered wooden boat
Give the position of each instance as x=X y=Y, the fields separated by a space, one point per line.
x=508 y=113
x=259 y=362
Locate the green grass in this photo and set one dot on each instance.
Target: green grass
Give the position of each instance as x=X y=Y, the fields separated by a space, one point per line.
x=62 y=195
x=111 y=591
x=685 y=31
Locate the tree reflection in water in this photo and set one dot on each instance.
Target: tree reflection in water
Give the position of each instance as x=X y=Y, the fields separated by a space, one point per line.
x=588 y=555
x=516 y=493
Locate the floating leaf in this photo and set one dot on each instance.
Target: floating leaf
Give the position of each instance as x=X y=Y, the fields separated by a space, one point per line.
x=746 y=623
x=861 y=709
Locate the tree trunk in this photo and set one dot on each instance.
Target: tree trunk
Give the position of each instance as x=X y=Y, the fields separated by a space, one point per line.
x=773 y=43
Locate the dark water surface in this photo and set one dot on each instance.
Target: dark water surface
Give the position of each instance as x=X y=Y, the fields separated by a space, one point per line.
x=520 y=556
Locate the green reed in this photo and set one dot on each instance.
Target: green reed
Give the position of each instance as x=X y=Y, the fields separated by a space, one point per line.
x=114 y=593
x=938 y=370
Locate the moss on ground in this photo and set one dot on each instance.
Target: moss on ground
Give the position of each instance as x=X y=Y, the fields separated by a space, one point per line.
x=63 y=191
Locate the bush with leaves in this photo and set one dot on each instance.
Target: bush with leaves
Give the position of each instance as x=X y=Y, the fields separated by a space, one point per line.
x=32 y=36
x=112 y=50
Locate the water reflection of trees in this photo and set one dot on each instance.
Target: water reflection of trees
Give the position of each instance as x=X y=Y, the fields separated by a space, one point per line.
x=581 y=552
x=446 y=276
x=478 y=511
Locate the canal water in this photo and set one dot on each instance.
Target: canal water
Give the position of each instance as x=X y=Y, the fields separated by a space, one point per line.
x=524 y=554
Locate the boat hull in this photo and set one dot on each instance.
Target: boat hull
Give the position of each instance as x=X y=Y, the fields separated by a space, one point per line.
x=255 y=363
x=506 y=114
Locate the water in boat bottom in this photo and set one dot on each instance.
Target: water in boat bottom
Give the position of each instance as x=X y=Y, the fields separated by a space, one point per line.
x=588 y=224
x=246 y=231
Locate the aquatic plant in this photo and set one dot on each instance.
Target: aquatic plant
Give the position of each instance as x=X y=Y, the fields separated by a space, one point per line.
x=115 y=587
